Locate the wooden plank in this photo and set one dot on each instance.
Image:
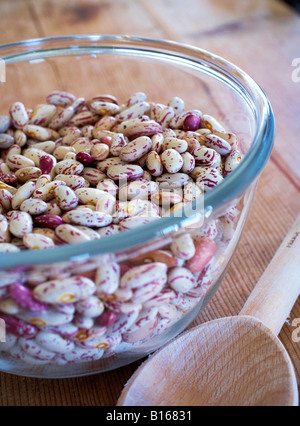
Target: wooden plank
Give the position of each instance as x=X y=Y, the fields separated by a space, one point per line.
x=261 y=37
x=16 y=21
x=93 y=17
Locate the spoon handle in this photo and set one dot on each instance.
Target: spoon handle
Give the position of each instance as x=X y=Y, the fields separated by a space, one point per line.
x=279 y=287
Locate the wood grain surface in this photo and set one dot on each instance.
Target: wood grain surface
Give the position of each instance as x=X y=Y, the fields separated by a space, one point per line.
x=260 y=36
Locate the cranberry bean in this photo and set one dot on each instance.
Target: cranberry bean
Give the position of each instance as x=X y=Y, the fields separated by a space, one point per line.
x=48 y=221
x=17 y=327
x=204 y=251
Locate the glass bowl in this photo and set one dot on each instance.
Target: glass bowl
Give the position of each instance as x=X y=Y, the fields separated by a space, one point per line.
x=121 y=66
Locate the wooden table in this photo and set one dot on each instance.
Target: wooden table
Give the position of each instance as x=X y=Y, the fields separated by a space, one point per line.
x=263 y=38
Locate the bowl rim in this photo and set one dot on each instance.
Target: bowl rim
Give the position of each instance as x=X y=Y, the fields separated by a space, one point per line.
x=231 y=188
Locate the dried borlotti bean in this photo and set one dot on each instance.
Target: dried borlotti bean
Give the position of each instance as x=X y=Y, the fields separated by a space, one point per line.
x=68 y=290
x=76 y=171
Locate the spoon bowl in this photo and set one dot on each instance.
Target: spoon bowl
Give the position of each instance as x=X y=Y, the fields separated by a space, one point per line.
x=232 y=361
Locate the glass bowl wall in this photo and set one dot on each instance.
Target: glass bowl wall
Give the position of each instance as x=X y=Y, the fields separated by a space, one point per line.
x=121 y=66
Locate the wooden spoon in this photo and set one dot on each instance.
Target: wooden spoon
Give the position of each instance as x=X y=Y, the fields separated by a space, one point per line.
x=234 y=361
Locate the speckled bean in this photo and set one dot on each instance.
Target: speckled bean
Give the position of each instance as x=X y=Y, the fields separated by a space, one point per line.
x=136 y=221
x=65 y=291
x=33 y=349
x=157 y=141
x=171 y=160
x=160 y=299
x=181 y=279
x=37 y=242
x=37 y=132
x=6 y=140
x=136 y=110
x=142 y=128
x=72 y=181
x=18 y=115
x=129 y=172
x=65 y=330
x=23 y=296
x=60 y=98
x=92 y=176
x=20 y=223
x=209 y=178
x=141 y=275
x=20 y=138
x=10 y=341
x=232 y=161
x=4 y=230
x=50 y=317
x=109 y=186
x=42 y=115
x=9 y=306
x=33 y=206
x=145 y=292
x=89 y=195
x=5 y=123
x=209 y=122
x=206 y=157
x=218 y=144
x=61 y=118
x=137 y=189
x=17 y=161
x=99 y=151
x=178 y=120
x=118 y=142
x=143 y=327
x=68 y=167
x=170 y=180
x=154 y=164
x=84 y=118
x=50 y=221
x=28 y=173
x=104 y=108
x=107 y=278
x=162 y=114
x=8 y=248
x=46 y=191
x=5 y=199
x=204 y=251
x=83 y=355
x=61 y=151
x=179 y=145
x=87 y=217
x=66 y=197
x=106 y=204
x=53 y=208
x=54 y=343
x=135 y=149
x=69 y=234
x=183 y=247
x=17 y=327
x=82 y=322
x=91 y=307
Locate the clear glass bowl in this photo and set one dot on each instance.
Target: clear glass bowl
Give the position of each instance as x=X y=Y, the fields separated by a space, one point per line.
x=121 y=66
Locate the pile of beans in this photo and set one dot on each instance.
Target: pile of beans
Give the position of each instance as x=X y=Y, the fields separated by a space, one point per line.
x=75 y=170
